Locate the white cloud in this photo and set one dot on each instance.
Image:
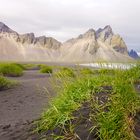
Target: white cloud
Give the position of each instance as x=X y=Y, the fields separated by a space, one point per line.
x=64 y=19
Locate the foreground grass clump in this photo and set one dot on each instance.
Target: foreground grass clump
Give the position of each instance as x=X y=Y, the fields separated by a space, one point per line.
x=11 y=70
x=46 y=69
x=20 y=65
x=117 y=123
x=69 y=99
x=86 y=71
x=5 y=83
x=107 y=71
x=114 y=119
x=65 y=72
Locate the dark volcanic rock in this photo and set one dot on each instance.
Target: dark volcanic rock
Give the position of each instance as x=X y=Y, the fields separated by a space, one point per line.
x=133 y=54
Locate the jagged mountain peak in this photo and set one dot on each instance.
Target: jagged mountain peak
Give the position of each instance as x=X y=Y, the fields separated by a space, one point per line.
x=108 y=27
x=104 y=33
x=1 y=24
x=29 y=34
x=132 y=53
x=46 y=42
x=88 y=34
x=91 y=30
x=5 y=28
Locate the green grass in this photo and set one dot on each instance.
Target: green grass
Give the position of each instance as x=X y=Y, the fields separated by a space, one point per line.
x=65 y=72
x=68 y=100
x=86 y=71
x=5 y=83
x=10 y=69
x=29 y=66
x=89 y=71
x=46 y=69
x=107 y=71
x=20 y=65
x=114 y=124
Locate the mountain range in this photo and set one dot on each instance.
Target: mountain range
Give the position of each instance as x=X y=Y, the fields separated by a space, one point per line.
x=91 y=46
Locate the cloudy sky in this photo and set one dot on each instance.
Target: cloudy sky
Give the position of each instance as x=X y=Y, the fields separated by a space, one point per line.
x=64 y=19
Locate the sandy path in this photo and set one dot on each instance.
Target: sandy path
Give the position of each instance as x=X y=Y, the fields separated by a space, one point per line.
x=22 y=104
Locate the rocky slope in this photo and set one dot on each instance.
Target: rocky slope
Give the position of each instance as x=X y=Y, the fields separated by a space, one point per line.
x=100 y=45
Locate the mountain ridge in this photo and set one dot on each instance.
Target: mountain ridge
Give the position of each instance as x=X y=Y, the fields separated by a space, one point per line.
x=99 y=45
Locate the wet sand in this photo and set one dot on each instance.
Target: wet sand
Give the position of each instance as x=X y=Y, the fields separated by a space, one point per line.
x=21 y=105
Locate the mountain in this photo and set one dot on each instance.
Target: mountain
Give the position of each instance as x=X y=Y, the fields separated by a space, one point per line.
x=132 y=53
x=26 y=47
x=5 y=28
x=100 y=45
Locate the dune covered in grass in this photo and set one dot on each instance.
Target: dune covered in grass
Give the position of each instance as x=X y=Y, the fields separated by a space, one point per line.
x=11 y=69
x=107 y=104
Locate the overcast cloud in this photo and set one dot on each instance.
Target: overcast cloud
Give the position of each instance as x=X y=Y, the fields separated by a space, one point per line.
x=64 y=19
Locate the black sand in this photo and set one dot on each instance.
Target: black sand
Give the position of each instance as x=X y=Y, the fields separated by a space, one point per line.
x=23 y=104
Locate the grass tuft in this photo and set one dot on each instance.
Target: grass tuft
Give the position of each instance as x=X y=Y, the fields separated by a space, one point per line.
x=5 y=83
x=46 y=69
x=65 y=72
x=11 y=70
x=86 y=71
